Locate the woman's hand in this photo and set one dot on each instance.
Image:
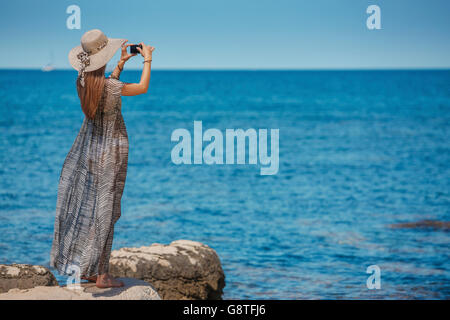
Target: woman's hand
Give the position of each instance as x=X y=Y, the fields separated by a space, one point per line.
x=146 y=51
x=123 y=58
x=125 y=55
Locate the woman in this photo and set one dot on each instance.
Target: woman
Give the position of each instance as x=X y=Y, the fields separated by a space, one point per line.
x=93 y=175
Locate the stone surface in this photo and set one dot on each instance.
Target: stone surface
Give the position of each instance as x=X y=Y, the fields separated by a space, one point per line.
x=24 y=276
x=134 y=289
x=182 y=270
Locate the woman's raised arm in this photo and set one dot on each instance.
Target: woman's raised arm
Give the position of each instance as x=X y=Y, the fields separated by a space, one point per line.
x=133 y=89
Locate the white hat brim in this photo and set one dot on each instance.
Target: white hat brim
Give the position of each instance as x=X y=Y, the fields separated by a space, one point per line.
x=99 y=59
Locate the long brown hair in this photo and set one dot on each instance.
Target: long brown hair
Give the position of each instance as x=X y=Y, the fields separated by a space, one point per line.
x=91 y=93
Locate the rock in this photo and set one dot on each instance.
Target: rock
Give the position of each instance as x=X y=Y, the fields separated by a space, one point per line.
x=183 y=270
x=134 y=289
x=24 y=276
x=429 y=224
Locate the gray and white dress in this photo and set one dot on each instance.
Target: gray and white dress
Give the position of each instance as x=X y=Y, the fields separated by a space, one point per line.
x=90 y=189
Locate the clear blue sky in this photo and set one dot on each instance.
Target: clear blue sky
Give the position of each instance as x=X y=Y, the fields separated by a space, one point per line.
x=236 y=34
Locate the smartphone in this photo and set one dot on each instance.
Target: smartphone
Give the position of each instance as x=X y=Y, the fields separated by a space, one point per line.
x=133 y=48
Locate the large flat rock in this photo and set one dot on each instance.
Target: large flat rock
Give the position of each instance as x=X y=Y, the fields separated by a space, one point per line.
x=24 y=276
x=183 y=269
x=134 y=289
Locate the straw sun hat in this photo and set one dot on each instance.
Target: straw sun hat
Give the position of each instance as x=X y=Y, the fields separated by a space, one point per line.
x=94 y=52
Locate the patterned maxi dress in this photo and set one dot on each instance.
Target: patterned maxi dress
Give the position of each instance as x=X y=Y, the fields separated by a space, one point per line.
x=90 y=189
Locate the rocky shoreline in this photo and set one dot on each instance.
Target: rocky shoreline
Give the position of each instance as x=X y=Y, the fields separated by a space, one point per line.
x=182 y=270
x=424 y=224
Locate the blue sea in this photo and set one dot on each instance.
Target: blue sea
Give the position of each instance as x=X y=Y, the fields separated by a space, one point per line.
x=359 y=151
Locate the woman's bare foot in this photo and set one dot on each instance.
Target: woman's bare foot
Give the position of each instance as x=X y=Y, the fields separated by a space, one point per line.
x=106 y=281
x=90 y=279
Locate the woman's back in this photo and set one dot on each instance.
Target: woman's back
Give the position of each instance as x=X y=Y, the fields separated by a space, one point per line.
x=111 y=101
x=91 y=186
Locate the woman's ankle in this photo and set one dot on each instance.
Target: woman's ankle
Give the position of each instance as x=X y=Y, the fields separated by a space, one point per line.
x=107 y=281
x=102 y=276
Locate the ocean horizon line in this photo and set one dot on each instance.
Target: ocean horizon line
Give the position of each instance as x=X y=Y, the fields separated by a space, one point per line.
x=251 y=69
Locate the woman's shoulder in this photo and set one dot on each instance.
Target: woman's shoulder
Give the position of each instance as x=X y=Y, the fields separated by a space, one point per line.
x=113 y=85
